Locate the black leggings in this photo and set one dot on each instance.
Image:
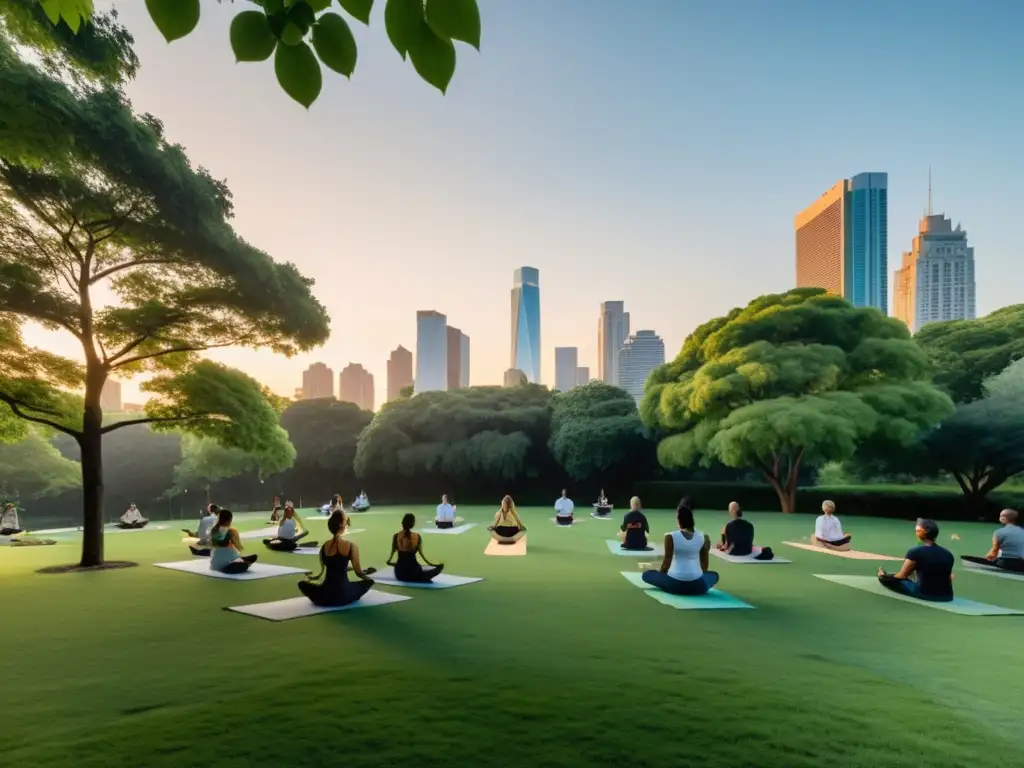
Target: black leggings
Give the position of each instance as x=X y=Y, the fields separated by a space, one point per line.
x=286 y=545
x=239 y=566
x=9 y=531
x=563 y=520
x=328 y=597
x=1012 y=564
x=418 y=575
x=444 y=523
x=130 y=526
x=838 y=543
x=200 y=552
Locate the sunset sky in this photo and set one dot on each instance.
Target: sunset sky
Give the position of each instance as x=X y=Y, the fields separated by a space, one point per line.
x=653 y=151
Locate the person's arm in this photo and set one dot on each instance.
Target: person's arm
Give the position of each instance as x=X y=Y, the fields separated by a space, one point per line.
x=236 y=540
x=992 y=553
x=356 y=565
x=394 y=550
x=667 y=560
x=905 y=571
x=301 y=526
x=519 y=522
x=819 y=528
x=647 y=525
x=419 y=550
x=704 y=553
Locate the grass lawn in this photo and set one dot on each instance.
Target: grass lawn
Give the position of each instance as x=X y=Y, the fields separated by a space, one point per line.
x=554 y=660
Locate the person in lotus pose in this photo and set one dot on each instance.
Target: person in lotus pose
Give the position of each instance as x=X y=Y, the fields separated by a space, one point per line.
x=289 y=532
x=684 y=570
x=444 y=516
x=406 y=545
x=602 y=508
x=738 y=534
x=828 y=531
x=362 y=502
x=564 y=509
x=635 y=527
x=132 y=518
x=9 y=523
x=927 y=571
x=331 y=587
x=202 y=534
x=507 y=527
x=226 y=546
x=1007 y=550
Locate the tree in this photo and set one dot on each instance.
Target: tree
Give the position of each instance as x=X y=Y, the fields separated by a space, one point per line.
x=967 y=352
x=795 y=378
x=204 y=461
x=33 y=468
x=98 y=204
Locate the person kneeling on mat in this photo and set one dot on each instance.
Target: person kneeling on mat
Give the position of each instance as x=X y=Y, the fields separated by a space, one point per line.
x=226 y=546
x=564 y=509
x=331 y=588
x=927 y=571
x=202 y=546
x=507 y=528
x=828 y=531
x=1007 y=550
x=444 y=516
x=635 y=528
x=132 y=518
x=684 y=571
x=289 y=532
x=9 y=524
x=407 y=545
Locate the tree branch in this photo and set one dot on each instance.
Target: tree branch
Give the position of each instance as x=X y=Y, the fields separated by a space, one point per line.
x=168 y=351
x=151 y=420
x=105 y=273
x=16 y=409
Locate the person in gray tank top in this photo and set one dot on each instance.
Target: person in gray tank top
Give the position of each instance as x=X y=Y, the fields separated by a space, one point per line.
x=1007 y=545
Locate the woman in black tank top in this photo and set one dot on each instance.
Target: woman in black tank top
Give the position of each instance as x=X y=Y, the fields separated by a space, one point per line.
x=331 y=587
x=406 y=545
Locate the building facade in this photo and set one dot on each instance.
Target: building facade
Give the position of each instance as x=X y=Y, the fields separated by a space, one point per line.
x=566 y=365
x=317 y=381
x=612 y=332
x=431 y=351
x=842 y=241
x=642 y=353
x=935 y=281
x=355 y=385
x=526 y=323
x=514 y=378
x=457 y=357
x=399 y=372
x=582 y=375
x=110 y=396
x=464 y=362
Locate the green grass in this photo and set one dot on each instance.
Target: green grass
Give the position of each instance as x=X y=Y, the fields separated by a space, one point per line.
x=554 y=660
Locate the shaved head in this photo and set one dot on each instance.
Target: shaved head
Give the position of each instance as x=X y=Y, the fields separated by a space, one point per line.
x=1009 y=516
x=734 y=509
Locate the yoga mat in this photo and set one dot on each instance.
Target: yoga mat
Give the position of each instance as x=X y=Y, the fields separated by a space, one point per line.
x=849 y=554
x=507 y=550
x=958 y=604
x=615 y=547
x=988 y=570
x=115 y=529
x=441 y=581
x=48 y=531
x=748 y=559
x=263 y=533
x=201 y=567
x=575 y=521
x=448 y=531
x=601 y=517
x=299 y=607
x=713 y=600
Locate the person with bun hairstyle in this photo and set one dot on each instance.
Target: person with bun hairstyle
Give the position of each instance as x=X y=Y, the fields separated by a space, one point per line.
x=331 y=588
x=226 y=546
x=407 y=545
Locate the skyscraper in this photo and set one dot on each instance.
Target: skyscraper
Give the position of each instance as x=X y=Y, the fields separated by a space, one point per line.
x=464 y=362
x=842 y=241
x=457 y=358
x=641 y=354
x=110 y=396
x=355 y=385
x=317 y=381
x=399 y=372
x=936 y=279
x=612 y=331
x=566 y=359
x=582 y=376
x=431 y=351
x=526 y=322
x=514 y=378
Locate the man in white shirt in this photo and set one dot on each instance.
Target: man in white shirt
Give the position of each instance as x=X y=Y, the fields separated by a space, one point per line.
x=828 y=531
x=564 y=509
x=202 y=534
x=445 y=515
x=132 y=518
x=9 y=524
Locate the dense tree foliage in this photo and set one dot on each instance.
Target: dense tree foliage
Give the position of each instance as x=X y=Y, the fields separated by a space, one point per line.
x=33 y=468
x=204 y=461
x=800 y=377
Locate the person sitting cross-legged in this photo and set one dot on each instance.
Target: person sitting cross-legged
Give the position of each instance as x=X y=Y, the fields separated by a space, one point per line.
x=684 y=570
x=635 y=527
x=444 y=515
x=507 y=527
x=9 y=524
x=828 y=531
x=927 y=570
x=226 y=546
x=564 y=509
x=738 y=534
x=406 y=545
x=362 y=502
x=289 y=532
x=202 y=534
x=132 y=518
x=331 y=587
x=1007 y=550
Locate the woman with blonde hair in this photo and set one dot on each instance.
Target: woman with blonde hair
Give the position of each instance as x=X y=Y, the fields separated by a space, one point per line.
x=507 y=528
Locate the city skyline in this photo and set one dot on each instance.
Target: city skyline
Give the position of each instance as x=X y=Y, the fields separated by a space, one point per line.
x=525 y=314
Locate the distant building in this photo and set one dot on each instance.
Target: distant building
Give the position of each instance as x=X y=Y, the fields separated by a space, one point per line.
x=399 y=372
x=317 y=382
x=464 y=362
x=526 y=322
x=110 y=397
x=642 y=353
x=514 y=378
x=133 y=408
x=566 y=359
x=355 y=385
x=842 y=241
x=431 y=351
x=582 y=376
x=458 y=358
x=612 y=332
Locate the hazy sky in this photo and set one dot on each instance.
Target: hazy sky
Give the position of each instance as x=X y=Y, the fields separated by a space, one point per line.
x=653 y=151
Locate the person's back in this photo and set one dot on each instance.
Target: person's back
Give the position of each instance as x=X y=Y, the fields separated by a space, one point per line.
x=739 y=534
x=636 y=528
x=686 y=556
x=933 y=571
x=206 y=524
x=445 y=513
x=335 y=556
x=1011 y=542
x=223 y=551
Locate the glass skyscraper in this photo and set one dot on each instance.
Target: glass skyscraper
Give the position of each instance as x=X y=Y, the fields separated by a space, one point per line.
x=526 y=323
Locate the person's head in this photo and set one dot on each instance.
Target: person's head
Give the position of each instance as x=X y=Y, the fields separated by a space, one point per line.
x=686 y=502
x=408 y=523
x=828 y=507
x=444 y=498
x=336 y=523
x=927 y=530
x=684 y=517
x=734 y=510
x=635 y=504
x=1008 y=517
x=507 y=505
x=224 y=518
x=289 y=512
x=565 y=493
x=212 y=509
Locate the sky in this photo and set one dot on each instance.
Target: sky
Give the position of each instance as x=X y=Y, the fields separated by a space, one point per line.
x=651 y=151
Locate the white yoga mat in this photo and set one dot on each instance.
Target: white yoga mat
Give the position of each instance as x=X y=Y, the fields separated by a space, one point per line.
x=48 y=531
x=957 y=605
x=506 y=550
x=448 y=531
x=750 y=559
x=115 y=529
x=441 y=581
x=601 y=517
x=299 y=607
x=201 y=567
x=263 y=533
x=989 y=570
x=615 y=547
x=851 y=554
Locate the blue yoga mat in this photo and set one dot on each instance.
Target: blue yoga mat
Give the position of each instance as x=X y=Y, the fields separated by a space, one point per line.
x=715 y=599
x=957 y=605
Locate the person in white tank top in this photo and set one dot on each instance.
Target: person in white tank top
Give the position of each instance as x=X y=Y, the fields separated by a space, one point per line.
x=289 y=532
x=684 y=571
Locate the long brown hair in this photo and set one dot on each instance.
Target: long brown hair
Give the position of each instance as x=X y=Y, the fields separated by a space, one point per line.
x=408 y=523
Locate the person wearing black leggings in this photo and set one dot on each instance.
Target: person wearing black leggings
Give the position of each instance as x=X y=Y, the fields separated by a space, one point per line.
x=331 y=588
x=289 y=532
x=406 y=545
x=226 y=547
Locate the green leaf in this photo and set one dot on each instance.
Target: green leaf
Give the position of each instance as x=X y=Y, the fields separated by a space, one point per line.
x=433 y=58
x=319 y=6
x=72 y=18
x=359 y=9
x=334 y=44
x=302 y=16
x=52 y=10
x=403 y=20
x=455 y=20
x=291 y=34
x=174 y=18
x=298 y=72
x=251 y=38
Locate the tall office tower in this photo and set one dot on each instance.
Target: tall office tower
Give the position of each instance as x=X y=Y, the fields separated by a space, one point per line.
x=566 y=359
x=355 y=385
x=842 y=241
x=514 y=378
x=399 y=372
x=464 y=361
x=317 y=381
x=431 y=351
x=110 y=396
x=457 y=358
x=936 y=279
x=526 y=322
x=612 y=332
x=582 y=376
x=641 y=354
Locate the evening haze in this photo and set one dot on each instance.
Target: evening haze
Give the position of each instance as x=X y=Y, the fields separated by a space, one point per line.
x=654 y=152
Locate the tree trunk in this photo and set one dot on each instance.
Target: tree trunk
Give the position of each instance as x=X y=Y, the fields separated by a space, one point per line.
x=784 y=487
x=91 y=445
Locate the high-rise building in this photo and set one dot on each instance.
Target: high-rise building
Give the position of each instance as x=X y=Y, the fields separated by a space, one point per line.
x=317 y=381
x=110 y=396
x=458 y=358
x=936 y=279
x=842 y=241
x=399 y=372
x=582 y=376
x=431 y=351
x=642 y=353
x=612 y=332
x=566 y=359
x=464 y=361
x=514 y=378
x=355 y=385
x=526 y=322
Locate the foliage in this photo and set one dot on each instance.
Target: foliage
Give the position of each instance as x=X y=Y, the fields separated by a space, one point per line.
x=800 y=377
x=967 y=352
x=325 y=433
x=33 y=468
x=204 y=460
x=1007 y=383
